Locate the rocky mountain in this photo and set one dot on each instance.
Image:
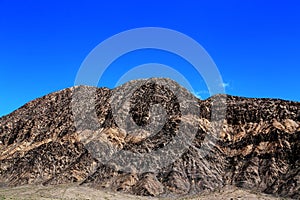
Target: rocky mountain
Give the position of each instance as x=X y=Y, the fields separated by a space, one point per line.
x=153 y=138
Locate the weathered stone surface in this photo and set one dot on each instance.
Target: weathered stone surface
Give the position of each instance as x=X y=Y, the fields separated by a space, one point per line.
x=258 y=147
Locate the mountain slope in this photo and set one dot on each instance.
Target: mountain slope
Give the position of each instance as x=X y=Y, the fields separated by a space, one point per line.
x=257 y=147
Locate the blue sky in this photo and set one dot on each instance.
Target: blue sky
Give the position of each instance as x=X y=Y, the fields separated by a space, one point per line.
x=255 y=44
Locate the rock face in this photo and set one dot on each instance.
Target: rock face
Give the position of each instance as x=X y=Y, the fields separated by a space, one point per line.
x=257 y=146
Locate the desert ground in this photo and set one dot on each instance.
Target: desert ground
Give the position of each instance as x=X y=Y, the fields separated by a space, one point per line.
x=67 y=192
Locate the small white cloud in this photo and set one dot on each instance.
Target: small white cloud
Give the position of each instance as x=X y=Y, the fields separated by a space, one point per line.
x=225 y=85
x=199 y=94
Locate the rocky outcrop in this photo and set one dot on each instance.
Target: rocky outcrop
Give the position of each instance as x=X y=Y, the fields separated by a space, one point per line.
x=257 y=146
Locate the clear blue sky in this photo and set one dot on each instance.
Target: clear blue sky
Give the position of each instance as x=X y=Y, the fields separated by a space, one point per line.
x=255 y=44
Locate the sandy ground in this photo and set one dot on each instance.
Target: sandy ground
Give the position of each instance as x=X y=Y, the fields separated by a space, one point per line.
x=85 y=193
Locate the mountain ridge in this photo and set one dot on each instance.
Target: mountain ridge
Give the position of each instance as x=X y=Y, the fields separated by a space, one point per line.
x=215 y=95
